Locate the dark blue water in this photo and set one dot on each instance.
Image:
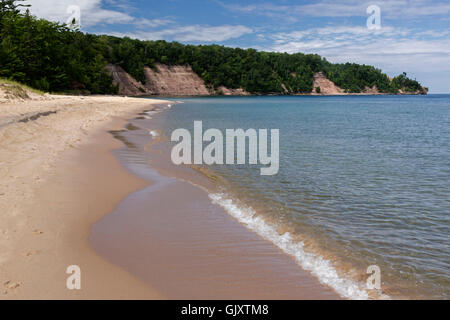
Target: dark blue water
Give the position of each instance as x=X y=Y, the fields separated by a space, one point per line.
x=363 y=180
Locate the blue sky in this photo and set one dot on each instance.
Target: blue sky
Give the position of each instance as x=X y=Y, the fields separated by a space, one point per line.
x=414 y=35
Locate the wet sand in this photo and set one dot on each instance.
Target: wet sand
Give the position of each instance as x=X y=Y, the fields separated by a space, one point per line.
x=58 y=177
x=174 y=238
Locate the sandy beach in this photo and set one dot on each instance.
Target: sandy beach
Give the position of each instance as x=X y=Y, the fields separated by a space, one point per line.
x=67 y=200
x=57 y=178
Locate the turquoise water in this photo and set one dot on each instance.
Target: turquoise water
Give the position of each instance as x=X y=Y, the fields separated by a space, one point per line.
x=363 y=180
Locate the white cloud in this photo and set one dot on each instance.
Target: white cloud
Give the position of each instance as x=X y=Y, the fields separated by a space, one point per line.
x=339 y=33
x=357 y=40
x=92 y=12
x=344 y=8
x=145 y=23
x=192 y=33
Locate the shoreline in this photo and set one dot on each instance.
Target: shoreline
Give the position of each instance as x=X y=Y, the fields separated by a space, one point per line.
x=59 y=177
x=183 y=243
x=274 y=95
x=317 y=263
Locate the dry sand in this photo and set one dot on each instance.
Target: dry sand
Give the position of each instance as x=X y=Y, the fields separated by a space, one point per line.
x=58 y=177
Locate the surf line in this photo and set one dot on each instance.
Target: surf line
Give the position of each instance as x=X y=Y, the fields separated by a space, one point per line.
x=235 y=145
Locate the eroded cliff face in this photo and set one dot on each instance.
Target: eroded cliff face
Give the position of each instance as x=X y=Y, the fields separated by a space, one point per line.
x=424 y=91
x=174 y=81
x=128 y=86
x=166 y=80
x=232 y=92
x=326 y=86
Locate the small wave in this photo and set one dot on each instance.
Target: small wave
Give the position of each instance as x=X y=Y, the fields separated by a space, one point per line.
x=317 y=265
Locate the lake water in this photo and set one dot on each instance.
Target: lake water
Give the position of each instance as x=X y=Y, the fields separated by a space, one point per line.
x=363 y=180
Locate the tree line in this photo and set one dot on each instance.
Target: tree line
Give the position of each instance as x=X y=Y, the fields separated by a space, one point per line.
x=52 y=57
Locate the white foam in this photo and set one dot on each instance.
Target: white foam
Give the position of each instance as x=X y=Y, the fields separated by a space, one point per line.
x=153 y=133
x=317 y=265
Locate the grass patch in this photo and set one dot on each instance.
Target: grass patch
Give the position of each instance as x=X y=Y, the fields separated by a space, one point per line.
x=17 y=89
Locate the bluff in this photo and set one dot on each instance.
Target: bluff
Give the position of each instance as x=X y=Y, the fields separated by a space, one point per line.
x=174 y=80
x=164 y=80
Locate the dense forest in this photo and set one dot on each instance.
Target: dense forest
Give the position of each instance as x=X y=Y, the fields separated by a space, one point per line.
x=52 y=57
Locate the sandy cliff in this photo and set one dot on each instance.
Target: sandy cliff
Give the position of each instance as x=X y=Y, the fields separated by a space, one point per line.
x=128 y=86
x=232 y=92
x=179 y=80
x=326 y=86
x=166 y=80
x=174 y=81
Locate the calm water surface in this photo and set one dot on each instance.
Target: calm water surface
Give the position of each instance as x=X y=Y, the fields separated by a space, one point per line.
x=363 y=180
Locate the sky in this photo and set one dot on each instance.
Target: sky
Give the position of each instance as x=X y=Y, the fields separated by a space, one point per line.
x=413 y=35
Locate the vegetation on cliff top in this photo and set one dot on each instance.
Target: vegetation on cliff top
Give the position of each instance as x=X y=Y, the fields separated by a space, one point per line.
x=51 y=57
